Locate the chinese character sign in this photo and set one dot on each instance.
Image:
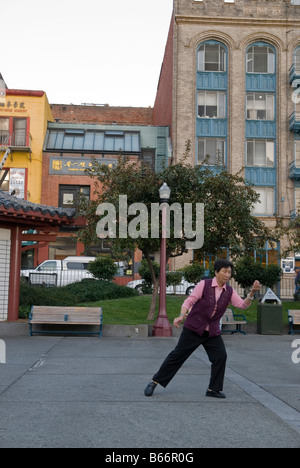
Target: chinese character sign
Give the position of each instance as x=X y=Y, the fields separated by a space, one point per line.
x=75 y=166
x=10 y=106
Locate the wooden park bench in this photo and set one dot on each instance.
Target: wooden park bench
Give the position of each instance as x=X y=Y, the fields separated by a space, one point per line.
x=59 y=317
x=230 y=318
x=294 y=319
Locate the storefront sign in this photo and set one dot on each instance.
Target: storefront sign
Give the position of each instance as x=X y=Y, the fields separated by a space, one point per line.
x=12 y=106
x=17 y=179
x=75 y=166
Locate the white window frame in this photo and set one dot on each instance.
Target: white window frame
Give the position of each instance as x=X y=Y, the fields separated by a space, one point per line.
x=210 y=100
x=270 y=66
x=260 y=106
x=263 y=159
x=266 y=205
x=297 y=153
x=203 y=63
x=297 y=200
x=220 y=146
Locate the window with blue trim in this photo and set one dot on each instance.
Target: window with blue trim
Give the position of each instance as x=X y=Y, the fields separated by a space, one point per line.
x=261 y=125
x=260 y=59
x=212 y=57
x=260 y=153
x=211 y=105
x=211 y=112
x=297 y=153
x=297 y=58
x=211 y=151
x=260 y=106
x=266 y=204
x=297 y=200
x=294 y=78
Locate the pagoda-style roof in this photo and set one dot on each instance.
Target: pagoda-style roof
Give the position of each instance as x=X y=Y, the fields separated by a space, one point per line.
x=16 y=211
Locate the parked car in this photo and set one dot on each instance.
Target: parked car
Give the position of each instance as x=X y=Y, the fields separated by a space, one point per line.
x=183 y=288
x=59 y=272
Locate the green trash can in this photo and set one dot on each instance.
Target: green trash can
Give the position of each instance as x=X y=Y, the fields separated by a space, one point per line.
x=270 y=315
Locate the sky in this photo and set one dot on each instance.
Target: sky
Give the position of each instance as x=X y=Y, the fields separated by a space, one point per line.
x=91 y=51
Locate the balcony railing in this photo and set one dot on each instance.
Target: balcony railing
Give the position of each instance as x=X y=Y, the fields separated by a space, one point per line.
x=294 y=214
x=294 y=73
x=19 y=141
x=294 y=171
x=294 y=123
x=260 y=128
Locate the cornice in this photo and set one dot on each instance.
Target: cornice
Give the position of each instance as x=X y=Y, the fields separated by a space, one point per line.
x=217 y=20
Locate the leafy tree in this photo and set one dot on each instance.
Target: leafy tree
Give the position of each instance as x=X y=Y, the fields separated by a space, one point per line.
x=145 y=273
x=173 y=278
x=289 y=232
x=272 y=274
x=228 y=202
x=246 y=271
x=193 y=272
x=103 y=268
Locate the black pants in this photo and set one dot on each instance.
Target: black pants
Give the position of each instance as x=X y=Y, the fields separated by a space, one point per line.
x=188 y=343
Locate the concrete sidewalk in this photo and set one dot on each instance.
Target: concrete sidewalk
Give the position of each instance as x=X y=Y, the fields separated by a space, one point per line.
x=88 y=392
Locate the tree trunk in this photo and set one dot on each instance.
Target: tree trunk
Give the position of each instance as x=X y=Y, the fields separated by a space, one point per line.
x=152 y=310
x=155 y=281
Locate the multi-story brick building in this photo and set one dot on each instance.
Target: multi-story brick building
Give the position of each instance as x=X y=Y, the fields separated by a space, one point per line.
x=24 y=115
x=229 y=74
x=81 y=133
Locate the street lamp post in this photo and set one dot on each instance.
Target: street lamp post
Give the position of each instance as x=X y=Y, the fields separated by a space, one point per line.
x=162 y=327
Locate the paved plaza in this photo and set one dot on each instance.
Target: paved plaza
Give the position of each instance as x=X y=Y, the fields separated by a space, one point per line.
x=58 y=391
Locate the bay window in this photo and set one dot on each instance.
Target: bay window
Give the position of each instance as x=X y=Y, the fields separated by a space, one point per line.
x=266 y=204
x=297 y=153
x=260 y=106
x=260 y=59
x=260 y=153
x=212 y=58
x=211 y=150
x=211 y=104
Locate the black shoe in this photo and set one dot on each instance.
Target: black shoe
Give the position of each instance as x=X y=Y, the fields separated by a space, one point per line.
x=150 y=389
x=215 y=394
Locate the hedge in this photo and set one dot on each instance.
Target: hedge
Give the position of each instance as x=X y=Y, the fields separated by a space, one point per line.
x=88 y=290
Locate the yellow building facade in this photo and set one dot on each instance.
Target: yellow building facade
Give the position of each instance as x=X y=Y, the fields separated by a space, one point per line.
x=24 y=116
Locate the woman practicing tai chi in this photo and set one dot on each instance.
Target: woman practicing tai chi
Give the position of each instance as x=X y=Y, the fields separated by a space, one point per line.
x=207 y=305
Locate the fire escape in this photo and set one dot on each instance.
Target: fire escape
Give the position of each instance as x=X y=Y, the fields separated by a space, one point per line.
x=10 y=143
x=5 y=152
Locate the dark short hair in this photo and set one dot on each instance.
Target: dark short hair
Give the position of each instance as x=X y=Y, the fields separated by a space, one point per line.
x=222 y=263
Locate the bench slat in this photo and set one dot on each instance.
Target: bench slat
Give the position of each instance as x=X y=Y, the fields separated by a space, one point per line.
x=229 y=318
x=44 y=315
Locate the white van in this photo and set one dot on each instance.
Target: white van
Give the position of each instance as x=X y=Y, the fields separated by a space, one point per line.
x=59 y=272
